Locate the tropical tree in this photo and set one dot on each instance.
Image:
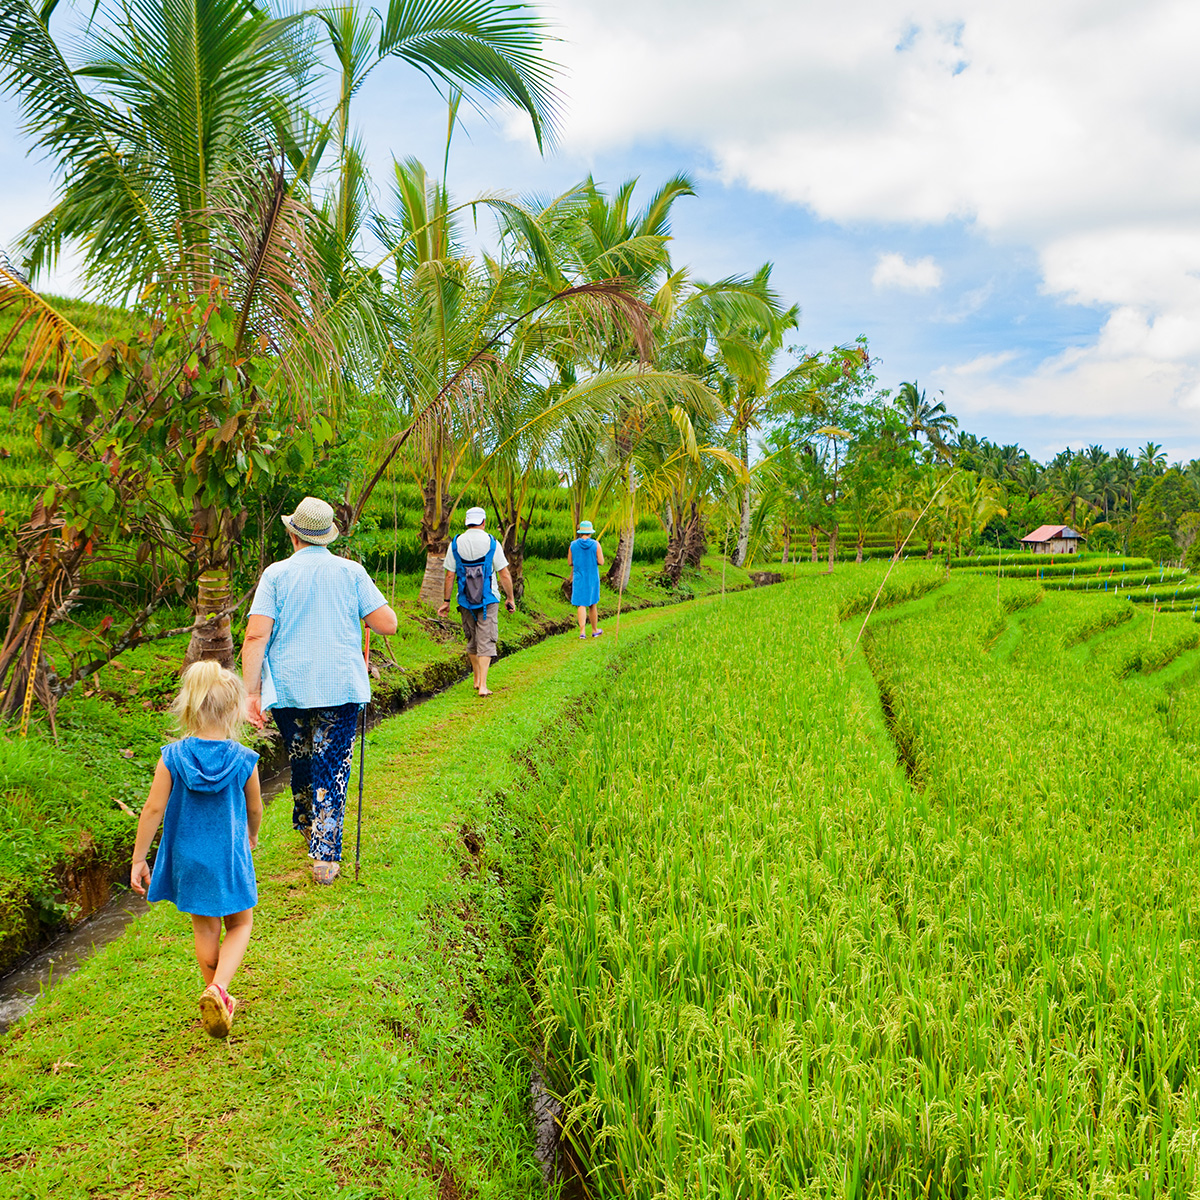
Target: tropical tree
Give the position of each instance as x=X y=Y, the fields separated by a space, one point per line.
x=1029 y=478
x=820 y=404
x=1151 y=459
x=168 y=176
x=741 y=324
x=971 y=502
x=1125 y=469
x=584 y=237
x=1072 y=485
x=924 y=419
x=899 y=510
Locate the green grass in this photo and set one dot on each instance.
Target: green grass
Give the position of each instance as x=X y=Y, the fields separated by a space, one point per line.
x=59 y=807
x=381 y=1048
x=912 y=920
x=773 y=965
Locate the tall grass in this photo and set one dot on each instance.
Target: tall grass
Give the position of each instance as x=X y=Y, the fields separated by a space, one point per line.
x=771 y=966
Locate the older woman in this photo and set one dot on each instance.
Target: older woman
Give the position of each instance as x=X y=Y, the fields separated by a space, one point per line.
x=586 y=559
x=302 y=659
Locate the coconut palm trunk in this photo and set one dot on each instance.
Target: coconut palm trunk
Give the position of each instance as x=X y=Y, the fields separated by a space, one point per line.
x=622 y=562
x=618 y=573
x=833 y=543
x=212 y=634
x=673 y=563
x=695 y=538
x=516 y=563
x=435 y=533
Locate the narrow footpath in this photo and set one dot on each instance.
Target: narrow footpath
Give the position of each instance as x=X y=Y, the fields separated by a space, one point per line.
x=380 y=1047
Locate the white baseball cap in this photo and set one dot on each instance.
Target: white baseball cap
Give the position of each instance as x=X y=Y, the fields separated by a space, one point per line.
x=475 y=516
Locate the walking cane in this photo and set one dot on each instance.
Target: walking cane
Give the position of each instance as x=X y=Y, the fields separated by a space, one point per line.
x=362 y=752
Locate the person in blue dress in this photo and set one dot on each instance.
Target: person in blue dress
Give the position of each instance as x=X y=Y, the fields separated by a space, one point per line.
x=586 y=559
x=206 y=796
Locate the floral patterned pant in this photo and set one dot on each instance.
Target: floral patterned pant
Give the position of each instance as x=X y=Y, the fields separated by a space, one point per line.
x=320 y=746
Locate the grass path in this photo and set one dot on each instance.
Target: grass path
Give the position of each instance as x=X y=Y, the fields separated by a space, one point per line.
x=378 y=1049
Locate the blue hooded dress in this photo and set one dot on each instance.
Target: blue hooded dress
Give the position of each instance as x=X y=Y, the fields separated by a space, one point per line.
x=203 y=865
x=585 y=572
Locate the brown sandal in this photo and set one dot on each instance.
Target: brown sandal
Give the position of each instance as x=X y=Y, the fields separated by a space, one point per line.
x=216 y=1010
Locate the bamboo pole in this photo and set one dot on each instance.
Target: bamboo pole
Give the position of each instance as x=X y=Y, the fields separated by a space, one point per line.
x=863 y=627
x=33 y=663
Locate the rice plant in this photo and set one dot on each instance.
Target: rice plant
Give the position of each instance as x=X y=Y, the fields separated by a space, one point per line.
x=774 y=963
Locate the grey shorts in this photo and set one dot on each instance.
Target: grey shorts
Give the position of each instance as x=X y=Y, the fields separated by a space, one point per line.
x=482 y=627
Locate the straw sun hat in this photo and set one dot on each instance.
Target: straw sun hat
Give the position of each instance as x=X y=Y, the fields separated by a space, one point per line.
x=585 y=527
x=312 y=522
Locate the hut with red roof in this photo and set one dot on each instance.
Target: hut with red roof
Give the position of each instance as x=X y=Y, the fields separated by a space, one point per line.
x=1052 y=539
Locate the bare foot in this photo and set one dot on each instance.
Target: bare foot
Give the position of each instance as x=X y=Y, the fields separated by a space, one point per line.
x=487 y=693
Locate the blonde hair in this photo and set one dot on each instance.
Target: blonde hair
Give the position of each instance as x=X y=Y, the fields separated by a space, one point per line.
x=211 y=699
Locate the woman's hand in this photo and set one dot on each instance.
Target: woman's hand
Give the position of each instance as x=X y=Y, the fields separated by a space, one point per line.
x=139 y=876
x=254 y=841
x=254 y=712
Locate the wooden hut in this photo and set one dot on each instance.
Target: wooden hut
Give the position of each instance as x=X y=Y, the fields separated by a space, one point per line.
x=1052 y=539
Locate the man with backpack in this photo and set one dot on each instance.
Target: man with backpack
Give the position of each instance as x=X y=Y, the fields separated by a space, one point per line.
x=475 y=561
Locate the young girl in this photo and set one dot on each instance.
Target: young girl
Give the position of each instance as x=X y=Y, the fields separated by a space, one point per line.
x=207 y=783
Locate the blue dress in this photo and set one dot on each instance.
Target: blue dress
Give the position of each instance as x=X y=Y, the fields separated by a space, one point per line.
x=203 y=865
x=585 y=585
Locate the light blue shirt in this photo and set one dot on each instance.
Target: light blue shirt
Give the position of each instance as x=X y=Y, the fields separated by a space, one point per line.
x=314 y=657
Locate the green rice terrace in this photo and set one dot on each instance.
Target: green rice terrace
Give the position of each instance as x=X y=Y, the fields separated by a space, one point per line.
x=856 y=856
x=764 y=901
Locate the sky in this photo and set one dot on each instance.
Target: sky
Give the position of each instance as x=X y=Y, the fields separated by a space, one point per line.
x=1003 y=196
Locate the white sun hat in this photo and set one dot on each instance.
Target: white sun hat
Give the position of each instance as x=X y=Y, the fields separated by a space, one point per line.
x=312 y=522
x=475 y=516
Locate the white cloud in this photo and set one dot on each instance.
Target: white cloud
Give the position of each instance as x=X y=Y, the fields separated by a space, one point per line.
x=1070 y=128
x=982 y=364
x=895 y=271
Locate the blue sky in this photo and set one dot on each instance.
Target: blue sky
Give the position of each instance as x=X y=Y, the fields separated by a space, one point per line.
x=1001 y=196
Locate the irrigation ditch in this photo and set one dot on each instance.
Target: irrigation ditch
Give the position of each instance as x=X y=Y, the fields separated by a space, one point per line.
x=92 y=886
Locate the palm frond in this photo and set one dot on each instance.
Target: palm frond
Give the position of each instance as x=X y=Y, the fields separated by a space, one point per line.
x=52 y=337
x=655 y=220
x=491 y=49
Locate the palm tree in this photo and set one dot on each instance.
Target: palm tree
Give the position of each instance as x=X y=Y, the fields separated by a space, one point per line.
x=747 y=339
x=971 y=502
x=900 y=511
x=1104 y=480
x=163 y=159
x=1151 y=459
x=586 y=236
x=1029 y=477
x=931 y=421
x=730 y=333
x=1125 y=468
x=188 y=93
x=1073 y=485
